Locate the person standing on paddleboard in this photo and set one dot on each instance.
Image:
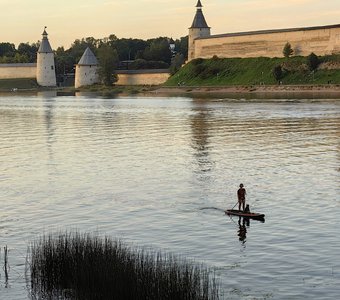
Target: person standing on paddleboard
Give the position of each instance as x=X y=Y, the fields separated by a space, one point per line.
x=241 y=195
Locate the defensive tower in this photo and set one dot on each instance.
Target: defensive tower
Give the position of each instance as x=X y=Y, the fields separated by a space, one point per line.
x=45 y=63
x=198 y=29
x=87 y=69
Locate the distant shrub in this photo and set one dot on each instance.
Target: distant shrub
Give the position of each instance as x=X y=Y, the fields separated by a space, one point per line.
x=313 y=61
x=176 y=63
x=197 y=69
x=210 y=71
x=197 y=61
x=287 y=50
x=277 y=73
x=140 y=64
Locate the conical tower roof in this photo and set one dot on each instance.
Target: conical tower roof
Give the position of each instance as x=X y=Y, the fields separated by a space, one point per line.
x=199 y=20
x=45 y=46
x=88 y=58
x=199 y=4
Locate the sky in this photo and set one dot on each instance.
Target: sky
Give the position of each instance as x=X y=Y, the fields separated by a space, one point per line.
x=68 y=20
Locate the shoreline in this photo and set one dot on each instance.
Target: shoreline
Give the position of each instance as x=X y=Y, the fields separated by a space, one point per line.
x=250 y=91
x=256 y=90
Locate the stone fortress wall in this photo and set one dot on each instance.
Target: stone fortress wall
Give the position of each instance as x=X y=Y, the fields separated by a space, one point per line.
x=323 y=40
x=15 y=71
x=142 y=77
x=129 y=77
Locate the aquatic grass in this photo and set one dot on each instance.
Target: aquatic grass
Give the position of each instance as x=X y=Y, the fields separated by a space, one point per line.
x=6 y=264
x=84 y=266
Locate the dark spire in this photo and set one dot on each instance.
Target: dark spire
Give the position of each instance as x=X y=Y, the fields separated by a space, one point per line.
x=45 y=46
x=199 y=4
x=45 y=33
x=199 y=20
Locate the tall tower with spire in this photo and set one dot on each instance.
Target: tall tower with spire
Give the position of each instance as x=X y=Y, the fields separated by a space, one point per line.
x=198 y=29
x=46 y=75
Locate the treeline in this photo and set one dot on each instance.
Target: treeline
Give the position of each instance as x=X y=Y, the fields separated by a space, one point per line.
x=151 y=53
x=26 y=53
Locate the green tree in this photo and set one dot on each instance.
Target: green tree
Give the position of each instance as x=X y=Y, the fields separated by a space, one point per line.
x=313 y=61
x=287 y=50
x=159 y=50
x=79 y=46
x=7 y=49
x=108 y=60
x=182 y=46
x=29 y=50
x=176 y=63
x=277 y=73
x=64 y=61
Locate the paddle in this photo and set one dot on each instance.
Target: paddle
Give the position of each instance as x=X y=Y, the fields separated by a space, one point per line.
x=234 y=205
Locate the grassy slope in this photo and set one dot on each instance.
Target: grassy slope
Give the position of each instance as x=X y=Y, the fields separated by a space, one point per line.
x=24 y=83
x=250 y=71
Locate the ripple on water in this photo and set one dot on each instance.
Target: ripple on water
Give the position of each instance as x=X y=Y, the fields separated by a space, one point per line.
x=159 y=172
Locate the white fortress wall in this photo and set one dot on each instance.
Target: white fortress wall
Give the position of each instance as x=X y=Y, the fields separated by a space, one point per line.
x=142 y=77
x=320 y=40
x=15 y=71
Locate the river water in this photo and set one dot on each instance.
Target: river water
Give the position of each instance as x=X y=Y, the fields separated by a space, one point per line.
x=159 y=171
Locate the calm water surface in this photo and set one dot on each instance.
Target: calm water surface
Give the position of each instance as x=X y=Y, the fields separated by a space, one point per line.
x=160 y=171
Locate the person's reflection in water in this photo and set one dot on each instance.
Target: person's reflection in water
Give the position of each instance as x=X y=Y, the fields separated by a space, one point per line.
x=242 y=232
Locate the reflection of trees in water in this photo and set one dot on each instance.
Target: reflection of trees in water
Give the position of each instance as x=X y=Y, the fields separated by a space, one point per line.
x=338 y=139
x=49 y=121
x=200 y=138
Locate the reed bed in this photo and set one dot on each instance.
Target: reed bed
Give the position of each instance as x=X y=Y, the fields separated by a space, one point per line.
x=84 y=266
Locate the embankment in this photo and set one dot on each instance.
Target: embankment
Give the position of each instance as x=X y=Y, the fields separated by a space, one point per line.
x=258 y=71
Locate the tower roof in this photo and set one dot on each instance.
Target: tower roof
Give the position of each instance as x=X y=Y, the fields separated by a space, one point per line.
x=199 y=20
x=88 y=58
x=199 y=4
x=45 y=46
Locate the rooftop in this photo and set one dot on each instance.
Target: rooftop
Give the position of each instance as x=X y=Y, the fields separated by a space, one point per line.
x=45 y=46
x=88 y=58
x=199 y=20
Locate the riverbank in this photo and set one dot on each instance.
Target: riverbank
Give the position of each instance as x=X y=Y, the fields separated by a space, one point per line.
x=261 y=91
x=308 y=91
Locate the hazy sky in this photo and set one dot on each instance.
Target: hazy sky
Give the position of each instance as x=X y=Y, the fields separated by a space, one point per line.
x=67 y=20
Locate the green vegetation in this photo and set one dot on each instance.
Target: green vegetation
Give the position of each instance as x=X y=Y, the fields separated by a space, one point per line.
x=287 y=50
x=26 y=53
x=24 y=83
x=295 y=70
x=153 y=53
x=81 y=266
x=114 y=90
x=313 y=61
x=108 y=60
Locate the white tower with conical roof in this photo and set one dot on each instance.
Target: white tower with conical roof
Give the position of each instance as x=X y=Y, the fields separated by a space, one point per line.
x=45 y=63
x=198 y=29
x=87 y=70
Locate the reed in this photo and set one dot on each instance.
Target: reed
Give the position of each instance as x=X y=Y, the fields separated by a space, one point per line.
x=84 y=266
x=6 y=265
